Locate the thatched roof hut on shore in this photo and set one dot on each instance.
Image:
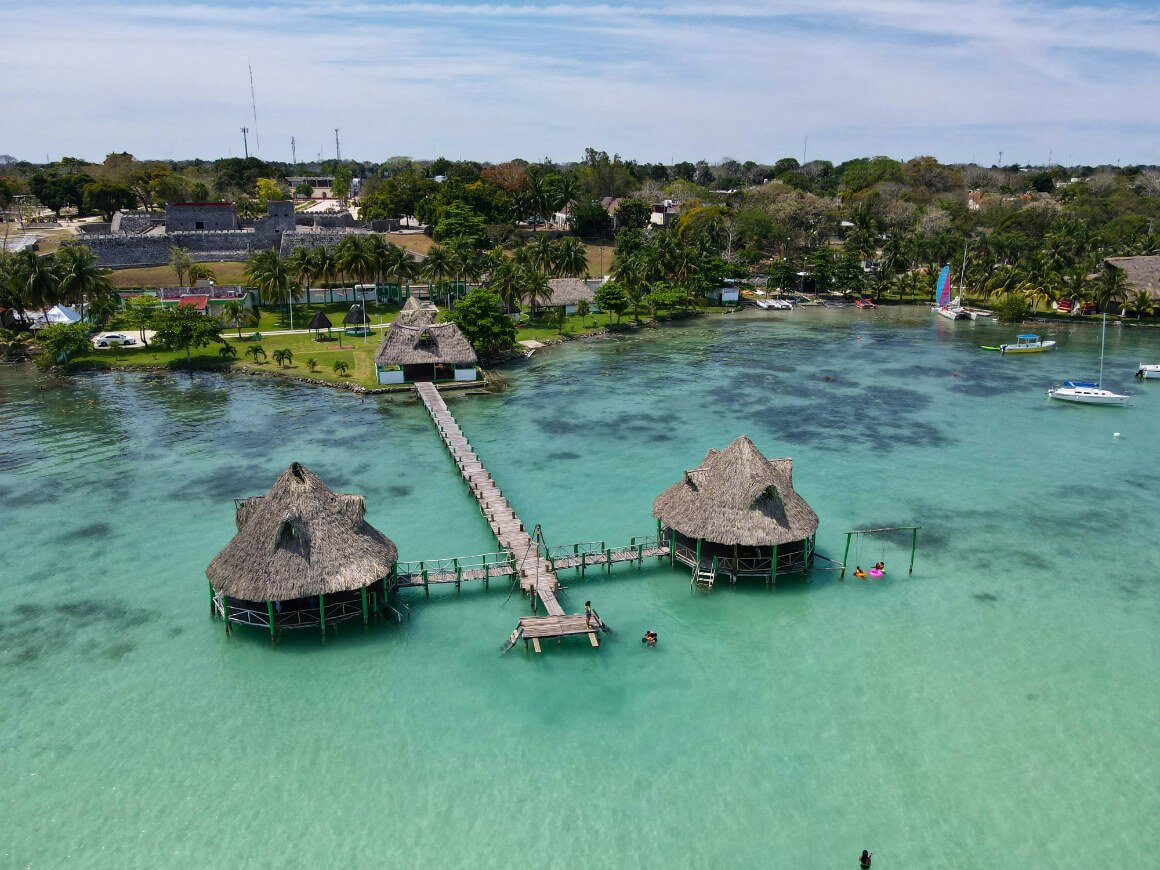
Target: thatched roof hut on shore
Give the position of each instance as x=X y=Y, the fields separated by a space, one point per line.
x=738 y=513
x=303 y=555
x=319 y=322
x=1143 y=272
x=416 y=348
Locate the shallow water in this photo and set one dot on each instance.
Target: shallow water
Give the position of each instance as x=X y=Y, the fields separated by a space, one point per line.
x=997 y=708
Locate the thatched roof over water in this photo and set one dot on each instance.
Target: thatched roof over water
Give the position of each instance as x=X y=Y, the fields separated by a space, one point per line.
x=737 y=496
x=414 y=338
x=1143 y=273
x=301 y=538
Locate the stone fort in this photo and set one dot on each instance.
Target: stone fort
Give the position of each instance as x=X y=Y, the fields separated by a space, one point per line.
x=211 y=231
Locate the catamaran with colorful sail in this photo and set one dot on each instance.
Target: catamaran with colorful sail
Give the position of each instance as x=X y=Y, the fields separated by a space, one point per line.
x=943 y=306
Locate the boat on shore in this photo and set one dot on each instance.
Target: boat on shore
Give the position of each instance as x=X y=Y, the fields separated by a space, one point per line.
x=943 y=306
x=1026 y=343
x=1148 y=372
x=1087 y=392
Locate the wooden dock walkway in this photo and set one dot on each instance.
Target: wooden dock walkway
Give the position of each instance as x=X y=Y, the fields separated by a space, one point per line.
x=537 y=577
x=525 y=558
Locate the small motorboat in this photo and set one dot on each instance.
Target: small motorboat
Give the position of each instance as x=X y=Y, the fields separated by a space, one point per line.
x=976 y=313
x=1148 y=372
x=781 y=304
x=1026 y=343
x=864 y=303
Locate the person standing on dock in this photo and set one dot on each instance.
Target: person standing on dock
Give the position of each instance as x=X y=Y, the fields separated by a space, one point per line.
x=588 y=614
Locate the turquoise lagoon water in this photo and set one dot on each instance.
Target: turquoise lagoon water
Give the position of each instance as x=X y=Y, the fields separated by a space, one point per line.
x=998 y=708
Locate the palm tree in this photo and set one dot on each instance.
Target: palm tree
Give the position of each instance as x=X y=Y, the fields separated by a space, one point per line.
x=283 y=356
x=1112 y=286
x=200 y=272
x=570 y=259
x=233 y=312
x=79 y=276
x=541 y=254
x=534 y=288
x=227 y=351
x=322 y=264
x=312 y=364
x=1142 y=303
x=254 y=351
x=504 y=280
x=300 y=268
x=437 y=265
x=353 y=258
x=39 y=280
x=267 y=271
x=341 y=367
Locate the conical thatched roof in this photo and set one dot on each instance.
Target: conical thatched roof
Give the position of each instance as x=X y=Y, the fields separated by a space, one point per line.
x=300 y=539
x=738 y=496
x=319 y=321
x=414 y=338
x=356 y=316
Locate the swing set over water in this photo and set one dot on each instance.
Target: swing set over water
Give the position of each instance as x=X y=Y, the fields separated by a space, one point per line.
x=862 y=532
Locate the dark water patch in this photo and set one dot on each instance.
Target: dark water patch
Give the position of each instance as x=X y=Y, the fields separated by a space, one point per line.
x=660 y=437
x=32 y=494
x=226 y=483
x=1031 y=696
x=985 y=597
x=93 y=531
x=1129 y=591
x=564 y=455
x=37 y=631
x=566 y=425
x=398 y=490
x=118 y=650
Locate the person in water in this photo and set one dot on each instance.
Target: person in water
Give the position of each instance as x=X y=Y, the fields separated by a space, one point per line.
x=880 y=566
x=588 y=614
x=864 y=861
x=858 y=572
x=650 y=637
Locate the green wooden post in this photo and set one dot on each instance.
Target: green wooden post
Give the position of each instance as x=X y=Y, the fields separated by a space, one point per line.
x=913 y=547
x=458 y=575
x=270 y=612
x=698 y=565
x=226 y=611
x=805 y=557
x=212 y=608
x=366 y=613
x=423 y=571
x=842 y=576
x=672 y=546
x=773 y=567
x=322 y=614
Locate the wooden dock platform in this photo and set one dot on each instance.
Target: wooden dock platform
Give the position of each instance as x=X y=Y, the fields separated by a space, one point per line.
x=529 y=560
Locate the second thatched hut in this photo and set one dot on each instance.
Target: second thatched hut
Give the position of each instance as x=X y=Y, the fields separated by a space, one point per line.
x=303 y=556
x=737 y=515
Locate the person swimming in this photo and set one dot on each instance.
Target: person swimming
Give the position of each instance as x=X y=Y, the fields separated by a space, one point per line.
x=650 y=638
x=858 y=572
x=864 y=860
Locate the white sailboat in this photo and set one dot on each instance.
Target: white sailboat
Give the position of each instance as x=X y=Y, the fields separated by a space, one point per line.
x=943 y=307
x=1086 y=392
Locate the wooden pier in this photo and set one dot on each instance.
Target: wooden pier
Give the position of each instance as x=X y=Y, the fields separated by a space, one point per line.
x=536 y=575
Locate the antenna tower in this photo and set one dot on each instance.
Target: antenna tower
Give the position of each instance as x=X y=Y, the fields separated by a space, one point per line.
x=337 y=149
x=254 y=104
x=293 y=152
x=245 y=141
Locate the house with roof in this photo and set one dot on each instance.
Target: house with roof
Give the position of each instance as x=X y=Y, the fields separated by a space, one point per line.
x=418 y=348
x=1143 y=273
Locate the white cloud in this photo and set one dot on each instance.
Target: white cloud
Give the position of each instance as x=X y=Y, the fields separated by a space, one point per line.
x=958 y=79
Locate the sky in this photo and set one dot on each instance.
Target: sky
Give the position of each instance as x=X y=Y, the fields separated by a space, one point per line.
x=962 y=80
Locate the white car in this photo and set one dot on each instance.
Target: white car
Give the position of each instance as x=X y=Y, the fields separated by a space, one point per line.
x=114 y=339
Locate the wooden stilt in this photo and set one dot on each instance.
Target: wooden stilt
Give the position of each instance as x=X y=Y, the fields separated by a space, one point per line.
x=270 y=613
x=322 y=615
x=366 y=613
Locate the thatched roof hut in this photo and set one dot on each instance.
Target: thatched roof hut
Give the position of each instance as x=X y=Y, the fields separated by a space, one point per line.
x=738 y=497
x=357 y=316
x=301 y=540
x=417 y=340
x=1143 y=273
x=319 y=322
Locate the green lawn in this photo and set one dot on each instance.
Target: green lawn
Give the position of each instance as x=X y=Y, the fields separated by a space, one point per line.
x=356 y=352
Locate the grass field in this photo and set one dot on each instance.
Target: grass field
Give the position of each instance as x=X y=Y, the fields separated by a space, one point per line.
x=164 y=276
x=356 y=352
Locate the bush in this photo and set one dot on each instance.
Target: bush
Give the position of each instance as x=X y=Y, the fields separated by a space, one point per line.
x=1011 y=308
